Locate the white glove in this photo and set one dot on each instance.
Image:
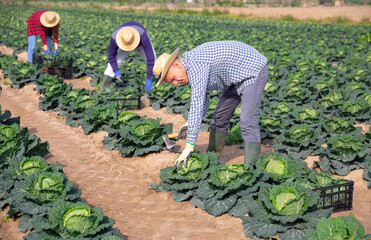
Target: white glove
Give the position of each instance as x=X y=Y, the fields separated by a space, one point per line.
x=186 y=154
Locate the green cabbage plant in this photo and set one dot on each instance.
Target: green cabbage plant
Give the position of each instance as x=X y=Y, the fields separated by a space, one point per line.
x=343 y=154
x=97 y=117
x=285 y=210
x=278 y=109
x=272 y=126
x=360 y=110
x=308 y=115
x=337 y=125
x=184 y=181
x=36 y=193
x=299 y=141
x=281 y=167
x=140 y=137
x=68 y=220
x=342 y=227
x=225 y=189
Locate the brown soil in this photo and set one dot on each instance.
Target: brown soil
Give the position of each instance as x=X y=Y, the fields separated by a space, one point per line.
x=318 y=13
x=120 y=185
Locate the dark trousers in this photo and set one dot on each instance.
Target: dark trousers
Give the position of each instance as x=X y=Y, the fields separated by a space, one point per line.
x=250 y=99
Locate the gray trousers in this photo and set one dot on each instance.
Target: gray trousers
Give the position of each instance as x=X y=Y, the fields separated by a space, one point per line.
x=250 y=101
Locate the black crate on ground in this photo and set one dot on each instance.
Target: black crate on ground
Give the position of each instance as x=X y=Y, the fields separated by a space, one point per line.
x=339 y=197
x=52 y=60
x=129 y=103
x=54 y=65
x=62 y=72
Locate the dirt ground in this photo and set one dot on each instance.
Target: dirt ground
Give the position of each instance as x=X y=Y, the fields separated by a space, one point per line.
x=318 y=13
x=120 y=185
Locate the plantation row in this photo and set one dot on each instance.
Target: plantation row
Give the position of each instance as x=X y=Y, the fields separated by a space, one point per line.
x=280 y=195
x=40 y=193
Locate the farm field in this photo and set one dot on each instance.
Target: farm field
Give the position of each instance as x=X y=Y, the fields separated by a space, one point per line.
x=301 y=54
x=355 y=14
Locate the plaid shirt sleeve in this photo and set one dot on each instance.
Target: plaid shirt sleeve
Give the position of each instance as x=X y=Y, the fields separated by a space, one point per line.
x=198 y=75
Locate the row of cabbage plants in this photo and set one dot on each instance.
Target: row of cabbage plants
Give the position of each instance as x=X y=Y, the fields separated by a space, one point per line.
x=40 y=194
x=278 y=194
x=131 y=134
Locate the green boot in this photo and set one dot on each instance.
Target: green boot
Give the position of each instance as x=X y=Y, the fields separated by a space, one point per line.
x=216 y=141
x=252 y=151
x=106 y=83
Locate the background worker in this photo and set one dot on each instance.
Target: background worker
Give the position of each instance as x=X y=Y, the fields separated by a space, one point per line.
x=128 y=37
x=237 y=69
x=45 y=24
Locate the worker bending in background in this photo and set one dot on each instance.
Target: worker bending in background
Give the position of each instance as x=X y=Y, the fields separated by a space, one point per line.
x=237 y=69
x=128 y=37
x=45 y=24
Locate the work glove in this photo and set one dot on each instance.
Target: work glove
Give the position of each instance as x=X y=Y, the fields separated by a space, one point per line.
x=182 y=134
x=149 y=85
x=118 y=75
x=186 y=154
x=56 y=51
x=47 y=51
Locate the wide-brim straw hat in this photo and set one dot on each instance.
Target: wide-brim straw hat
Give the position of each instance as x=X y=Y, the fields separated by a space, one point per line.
x=127 y=38
x=49 y=19
x=163 y=64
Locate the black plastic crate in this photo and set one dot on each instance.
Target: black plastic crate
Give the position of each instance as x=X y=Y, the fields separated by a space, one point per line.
x=129 y=103
x=52 y=60
x=64 y=73
x=54 y=65
x=339 y=197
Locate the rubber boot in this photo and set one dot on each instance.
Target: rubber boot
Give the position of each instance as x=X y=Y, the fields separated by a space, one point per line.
x=252 y=152
x=216 y=141
x=106 y=83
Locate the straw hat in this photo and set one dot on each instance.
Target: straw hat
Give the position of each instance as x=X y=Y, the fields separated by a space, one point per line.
x=163 y=64
x=49 y=19
x=127 y=38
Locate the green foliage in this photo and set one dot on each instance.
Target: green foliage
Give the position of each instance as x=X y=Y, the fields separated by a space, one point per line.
x=184 y=181
x=27 y=165
x=342 y=227
x=281 y=167
x=68 y=220
x=286 y=210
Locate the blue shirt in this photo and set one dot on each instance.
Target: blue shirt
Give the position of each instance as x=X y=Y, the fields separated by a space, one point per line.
x=214 y=66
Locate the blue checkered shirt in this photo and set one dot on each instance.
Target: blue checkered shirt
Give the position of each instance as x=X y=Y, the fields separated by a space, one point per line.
x=214 y=66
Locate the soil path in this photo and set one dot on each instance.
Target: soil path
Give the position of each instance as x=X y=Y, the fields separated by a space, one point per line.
x=120 y=185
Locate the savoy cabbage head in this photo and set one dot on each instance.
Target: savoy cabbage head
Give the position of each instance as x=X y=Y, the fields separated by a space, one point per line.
x=281 y=167
x=299 y=141
x=184 y=181
x=68 y=220
x=221 y=193
x=342 y=227
x=37 y=192
x=338 y=125
x=286 y=210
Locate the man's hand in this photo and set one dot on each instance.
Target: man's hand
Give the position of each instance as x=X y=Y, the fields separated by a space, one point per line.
x=148 y=85
x=186 y=154
x=56 y=51
x=118 y=75
x=47 y=51
x=182 y=134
